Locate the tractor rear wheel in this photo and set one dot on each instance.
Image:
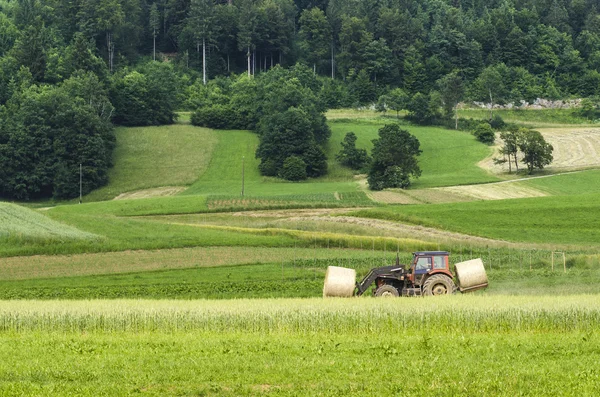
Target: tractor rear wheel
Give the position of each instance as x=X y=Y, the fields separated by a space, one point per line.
x=438 y=284
x=387 y=290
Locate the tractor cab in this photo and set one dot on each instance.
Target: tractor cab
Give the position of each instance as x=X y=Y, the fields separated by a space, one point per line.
x=426 y=263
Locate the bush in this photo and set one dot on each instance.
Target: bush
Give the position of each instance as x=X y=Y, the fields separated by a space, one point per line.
x=484 y=133
x=216 y=116
x=497 y=123
x=294 y=169
x=394 y=159
x=350 y=156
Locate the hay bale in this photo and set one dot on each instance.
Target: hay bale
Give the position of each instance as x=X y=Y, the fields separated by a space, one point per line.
x=471 y=275
x=339 y=282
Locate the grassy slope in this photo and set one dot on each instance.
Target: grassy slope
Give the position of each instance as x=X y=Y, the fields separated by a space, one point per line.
x=147 y=157
x=224 y=175
x=448 y=158
x=20 y=225
x=552 y=220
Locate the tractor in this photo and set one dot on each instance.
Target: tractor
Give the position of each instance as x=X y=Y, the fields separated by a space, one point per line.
x=428 y=274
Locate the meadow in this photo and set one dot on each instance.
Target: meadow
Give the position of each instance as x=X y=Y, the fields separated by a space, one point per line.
x=459 y=345
x=153 y=157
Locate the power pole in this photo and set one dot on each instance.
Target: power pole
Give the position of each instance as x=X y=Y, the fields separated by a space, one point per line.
x=243 y=158
x=80 y=182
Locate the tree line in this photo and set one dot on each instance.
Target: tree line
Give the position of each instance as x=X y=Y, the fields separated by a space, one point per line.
x=228 y=60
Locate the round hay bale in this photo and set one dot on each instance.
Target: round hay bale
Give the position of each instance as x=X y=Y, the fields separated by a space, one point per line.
x=339 y=282
x=471 y=273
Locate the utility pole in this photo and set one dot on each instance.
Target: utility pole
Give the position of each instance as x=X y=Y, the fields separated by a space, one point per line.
x=80 y=182
x=243 y=158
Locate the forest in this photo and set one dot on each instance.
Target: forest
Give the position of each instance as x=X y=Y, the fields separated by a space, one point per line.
x=72 y=69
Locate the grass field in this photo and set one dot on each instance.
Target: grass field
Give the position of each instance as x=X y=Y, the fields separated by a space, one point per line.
x=449 y=157
x=20 y=225
x=561 y=220
x=464 y=345
x=531 y=117
x=151 y=157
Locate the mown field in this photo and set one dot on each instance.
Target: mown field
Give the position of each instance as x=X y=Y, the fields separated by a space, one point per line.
x=456 y=346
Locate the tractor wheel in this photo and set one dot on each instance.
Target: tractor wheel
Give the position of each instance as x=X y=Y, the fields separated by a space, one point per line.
x=438 y=284
x=387 y=290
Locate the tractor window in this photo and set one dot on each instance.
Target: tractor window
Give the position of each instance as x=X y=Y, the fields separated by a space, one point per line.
x=439 y=262
x=423 y=263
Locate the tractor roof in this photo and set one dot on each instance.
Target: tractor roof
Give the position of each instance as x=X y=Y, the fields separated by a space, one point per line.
x=431 y=253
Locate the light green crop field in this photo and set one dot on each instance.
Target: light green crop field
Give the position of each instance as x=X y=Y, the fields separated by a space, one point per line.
x=150 y=157
x=462 y=345
x=21 y=225
x=449 y=157
x=560 y=220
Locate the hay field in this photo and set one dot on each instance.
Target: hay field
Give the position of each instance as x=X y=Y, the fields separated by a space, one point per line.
x=463 y=345
x=575 y=148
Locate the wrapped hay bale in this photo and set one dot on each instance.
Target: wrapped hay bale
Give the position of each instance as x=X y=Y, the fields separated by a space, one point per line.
x=339 y=282
x=471 y=275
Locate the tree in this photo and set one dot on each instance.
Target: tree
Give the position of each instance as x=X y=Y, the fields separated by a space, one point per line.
x=102 y=16
x=394 y=159
x=8 y=34
x=201 y=24
x=293 y=169
x=147 y=96
x=350 y=156
x=247 y=29
x=283 y=135
x=155 y=26
x=510 y=147
x=414 y=71
x=484 y=133
x=50 y=132
x=489 y=85
x=315 y=36
x=452 y=91
x=423 y=108
x=537 y=153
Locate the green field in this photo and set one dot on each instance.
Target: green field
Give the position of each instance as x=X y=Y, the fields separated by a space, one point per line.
x=533 y=117
x=576 y=183
x=449 y=157
x=20 y=225
x=560 y=220
x=464 y=345
x=151 y=157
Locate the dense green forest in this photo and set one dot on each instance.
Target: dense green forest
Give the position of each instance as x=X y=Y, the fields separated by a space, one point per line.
x=89 y=64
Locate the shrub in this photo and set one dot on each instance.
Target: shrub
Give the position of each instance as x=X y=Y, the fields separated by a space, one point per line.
x=350 y=156
x=484 y=133
x=216 y=116
x=294 y=169
x=497 y=123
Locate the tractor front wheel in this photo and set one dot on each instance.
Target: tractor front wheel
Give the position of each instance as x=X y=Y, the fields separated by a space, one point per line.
x=438 y=284
x=387 y=290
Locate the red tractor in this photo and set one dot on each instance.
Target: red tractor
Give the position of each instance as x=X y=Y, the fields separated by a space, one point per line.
x=428 y=274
